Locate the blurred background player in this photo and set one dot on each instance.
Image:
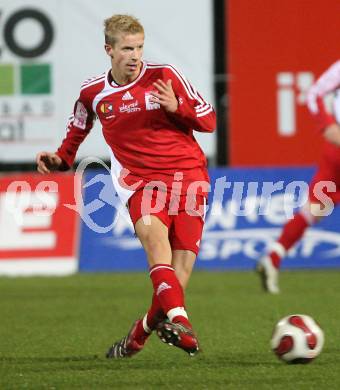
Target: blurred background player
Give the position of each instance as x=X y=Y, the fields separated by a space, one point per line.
x=328 y=171
x=148 y=113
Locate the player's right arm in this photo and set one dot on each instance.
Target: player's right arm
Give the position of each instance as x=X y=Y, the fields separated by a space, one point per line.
x=78 y=127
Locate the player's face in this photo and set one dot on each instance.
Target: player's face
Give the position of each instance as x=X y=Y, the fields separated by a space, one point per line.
x=126 y=57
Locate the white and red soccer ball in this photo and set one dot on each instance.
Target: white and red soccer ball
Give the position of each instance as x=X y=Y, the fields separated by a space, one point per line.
x=297 y=339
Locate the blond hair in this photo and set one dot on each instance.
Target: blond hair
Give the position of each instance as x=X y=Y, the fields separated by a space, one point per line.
x=120 y=24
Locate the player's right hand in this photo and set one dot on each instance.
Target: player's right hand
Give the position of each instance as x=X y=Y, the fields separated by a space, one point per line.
x=48 y=162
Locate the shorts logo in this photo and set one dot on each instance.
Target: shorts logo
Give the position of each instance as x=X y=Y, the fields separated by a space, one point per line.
x=80 y=116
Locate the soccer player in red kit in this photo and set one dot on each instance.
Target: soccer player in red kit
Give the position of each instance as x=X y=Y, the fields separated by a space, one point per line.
x=148 y=113
x=328 y=171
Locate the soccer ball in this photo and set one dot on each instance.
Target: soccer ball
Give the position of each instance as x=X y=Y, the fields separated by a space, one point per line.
x=297 y=339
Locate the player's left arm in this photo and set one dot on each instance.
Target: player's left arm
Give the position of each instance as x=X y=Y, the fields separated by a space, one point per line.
x=183 y=103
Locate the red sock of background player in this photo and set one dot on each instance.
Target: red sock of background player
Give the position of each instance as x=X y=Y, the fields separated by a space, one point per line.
x=291 y=233
x=154 y=315
x=169 y=293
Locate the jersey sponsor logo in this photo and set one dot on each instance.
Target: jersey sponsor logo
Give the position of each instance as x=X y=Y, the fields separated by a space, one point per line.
x=149 y=105
x=128 y=108
x=127 y=96
x=80 y=116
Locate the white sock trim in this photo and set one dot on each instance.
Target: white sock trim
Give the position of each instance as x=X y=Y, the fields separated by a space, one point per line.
x=176 y=311
x=161 y=266
x=278 y=249
x=145 y=324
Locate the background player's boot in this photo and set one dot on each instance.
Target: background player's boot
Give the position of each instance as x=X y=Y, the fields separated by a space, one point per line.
x=127 y=346
x=269 y=275
x=178 y=335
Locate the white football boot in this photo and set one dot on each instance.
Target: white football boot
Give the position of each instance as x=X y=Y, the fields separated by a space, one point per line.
x=269 y=275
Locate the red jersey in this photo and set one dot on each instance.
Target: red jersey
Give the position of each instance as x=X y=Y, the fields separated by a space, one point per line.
x=144 y=139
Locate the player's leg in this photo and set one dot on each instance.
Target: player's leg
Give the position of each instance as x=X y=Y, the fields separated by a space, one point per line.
x=185 y=236
x=154 y=238
x=313 y=211
x=173 y=333
x=168 y=290
x=183 y=261
x=268 y=266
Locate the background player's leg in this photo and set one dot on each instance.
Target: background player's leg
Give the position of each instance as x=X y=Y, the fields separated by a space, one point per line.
x=268 y=266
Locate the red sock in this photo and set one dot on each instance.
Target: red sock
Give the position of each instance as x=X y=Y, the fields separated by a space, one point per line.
x=276 y=259
x=291 y=233
x=140 y=335
x=169 y=292
x=155 y=313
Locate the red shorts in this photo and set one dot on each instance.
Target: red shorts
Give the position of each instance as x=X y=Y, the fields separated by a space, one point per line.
x=325 y=175
x=183 y=216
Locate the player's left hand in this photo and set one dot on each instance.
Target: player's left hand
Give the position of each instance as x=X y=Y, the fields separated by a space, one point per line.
x=165 y=96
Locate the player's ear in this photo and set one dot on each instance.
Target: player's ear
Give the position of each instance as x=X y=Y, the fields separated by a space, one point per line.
x=108 y=49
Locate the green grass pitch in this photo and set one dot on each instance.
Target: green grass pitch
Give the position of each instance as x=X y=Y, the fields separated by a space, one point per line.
x=54 y=333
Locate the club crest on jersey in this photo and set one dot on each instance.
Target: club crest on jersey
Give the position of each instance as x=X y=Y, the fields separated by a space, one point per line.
x=106 y=108
x=149 y=105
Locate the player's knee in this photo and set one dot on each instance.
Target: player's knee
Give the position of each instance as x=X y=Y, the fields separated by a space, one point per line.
x=156 y=246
